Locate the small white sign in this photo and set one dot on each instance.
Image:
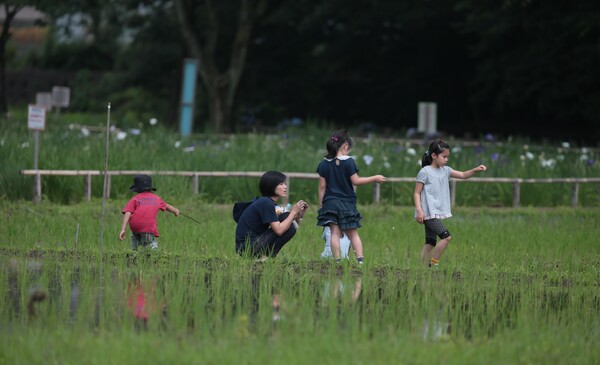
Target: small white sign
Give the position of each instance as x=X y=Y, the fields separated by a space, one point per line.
x=61 y=96
x=37 y=117
x=427 y=117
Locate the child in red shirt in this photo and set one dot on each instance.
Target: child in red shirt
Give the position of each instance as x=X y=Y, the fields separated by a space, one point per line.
x=141 y=211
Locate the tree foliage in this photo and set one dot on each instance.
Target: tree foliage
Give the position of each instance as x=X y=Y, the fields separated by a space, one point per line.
x=525 y=67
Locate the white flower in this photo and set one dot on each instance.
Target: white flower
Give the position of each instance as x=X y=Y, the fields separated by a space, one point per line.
x=529 y=155
x=121 y=135
x=368 y=159
x=550 y=163
x=411 y=151
x=189 y=149
x=153 y=121
x=456 y=149
x=585 y=150
x=387 y=165
x=112 y=128
x=419 y=163
x=177 y=144
x=24 y=144
x=85 y=132
x=560 y=157
x=566 y=145
x=135 y=132
x=525 y=147
x=584 y=157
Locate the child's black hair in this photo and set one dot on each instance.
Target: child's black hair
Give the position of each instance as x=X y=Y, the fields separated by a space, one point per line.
x=337 y=139
x=269 y=181
x=436 y=146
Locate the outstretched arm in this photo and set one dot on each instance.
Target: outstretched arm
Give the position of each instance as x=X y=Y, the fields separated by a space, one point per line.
x=173 y=210
x=467 y=174
x=124 y=225
x=357 y=180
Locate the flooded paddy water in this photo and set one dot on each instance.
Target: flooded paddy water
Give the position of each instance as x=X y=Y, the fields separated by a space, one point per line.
x=214 y=298
x=516 y=286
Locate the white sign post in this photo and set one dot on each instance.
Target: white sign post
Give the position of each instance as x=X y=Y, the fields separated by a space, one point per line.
x=61 y=97
x=427 y=118
x=36 y=121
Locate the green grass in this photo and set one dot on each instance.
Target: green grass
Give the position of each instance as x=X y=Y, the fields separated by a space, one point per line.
x=516 y=286
x=147 y=147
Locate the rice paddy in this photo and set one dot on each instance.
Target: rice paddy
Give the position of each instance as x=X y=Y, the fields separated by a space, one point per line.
x=515 y=286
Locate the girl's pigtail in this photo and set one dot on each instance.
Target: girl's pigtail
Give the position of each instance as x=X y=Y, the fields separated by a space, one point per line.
x=426 y=159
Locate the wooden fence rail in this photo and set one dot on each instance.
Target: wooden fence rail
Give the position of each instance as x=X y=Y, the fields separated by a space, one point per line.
x=195 y=175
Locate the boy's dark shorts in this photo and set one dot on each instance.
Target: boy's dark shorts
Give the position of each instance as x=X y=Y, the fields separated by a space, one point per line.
x=435 y=228
x=143 y=239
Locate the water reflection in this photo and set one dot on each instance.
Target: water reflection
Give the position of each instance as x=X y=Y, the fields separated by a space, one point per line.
x=348 y=288
x=436 y=326
x=270 y=300
x=35 y=294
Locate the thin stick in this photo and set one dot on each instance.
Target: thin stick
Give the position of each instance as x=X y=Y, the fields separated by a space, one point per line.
x=104 y=197
x=187 y=216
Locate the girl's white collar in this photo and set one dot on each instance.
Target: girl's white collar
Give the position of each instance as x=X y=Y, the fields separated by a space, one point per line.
x=341 y=158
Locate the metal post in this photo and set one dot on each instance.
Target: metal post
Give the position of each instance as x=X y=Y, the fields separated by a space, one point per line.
x=37 y=192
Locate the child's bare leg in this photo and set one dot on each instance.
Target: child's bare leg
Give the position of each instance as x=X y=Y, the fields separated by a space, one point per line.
x=336 y=234
x=440 y=247
x=356 y=242
x=426 y=253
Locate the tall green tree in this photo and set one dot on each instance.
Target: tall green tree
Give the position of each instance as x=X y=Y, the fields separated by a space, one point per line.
x=10 y=9
x=220 y=49
x=536 y=66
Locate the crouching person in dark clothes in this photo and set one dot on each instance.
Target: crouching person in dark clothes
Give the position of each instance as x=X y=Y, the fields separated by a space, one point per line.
x=260 y=232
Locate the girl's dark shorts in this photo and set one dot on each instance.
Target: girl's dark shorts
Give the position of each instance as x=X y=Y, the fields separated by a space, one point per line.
x=435 y=228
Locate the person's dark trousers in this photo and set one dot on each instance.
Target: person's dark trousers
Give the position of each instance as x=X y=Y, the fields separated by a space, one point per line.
x=269 y=243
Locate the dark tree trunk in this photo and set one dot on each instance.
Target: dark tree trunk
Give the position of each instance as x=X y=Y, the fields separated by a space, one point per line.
x=221 y=86
x=11 y=12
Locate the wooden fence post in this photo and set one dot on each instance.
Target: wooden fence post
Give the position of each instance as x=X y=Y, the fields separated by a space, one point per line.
x=107 y=188
x=516 y=193
x=195 y=181
x=37 y=194
x=575 y=195
x=88 y=186
x=376 y=193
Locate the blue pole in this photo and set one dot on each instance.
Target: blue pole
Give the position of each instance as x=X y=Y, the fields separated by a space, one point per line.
x=188 y=93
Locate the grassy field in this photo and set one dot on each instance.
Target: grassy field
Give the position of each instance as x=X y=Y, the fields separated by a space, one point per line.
x=516 y=286
x=76 y=142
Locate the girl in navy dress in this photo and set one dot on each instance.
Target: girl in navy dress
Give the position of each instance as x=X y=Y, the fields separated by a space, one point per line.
x=338 y=175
